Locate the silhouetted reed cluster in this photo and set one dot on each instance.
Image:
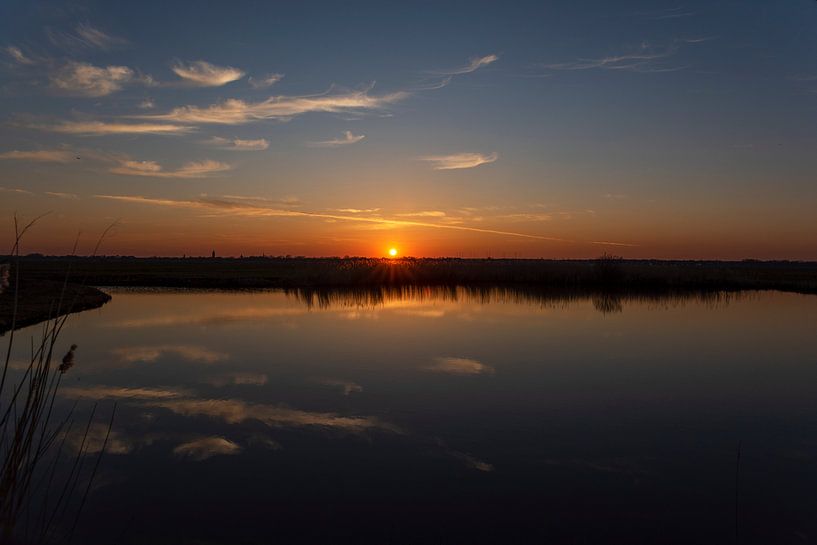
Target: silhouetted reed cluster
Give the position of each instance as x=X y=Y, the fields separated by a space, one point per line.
x=608 y=273
x=43 y=484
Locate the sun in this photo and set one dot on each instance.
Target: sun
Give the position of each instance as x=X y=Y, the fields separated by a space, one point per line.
x=392 y=252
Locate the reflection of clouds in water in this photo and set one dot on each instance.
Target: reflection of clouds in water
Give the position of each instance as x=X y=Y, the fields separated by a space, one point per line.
x=239 y=378
x=346 y=386
x=459 y=366
x=92 y=444
x=234 y=411
x=149 y=354
x=264 y=441
x=113 y=392
x=216 y=316
x=206 y=447
x=619 y=466
x=423 y=313
x=472 y=462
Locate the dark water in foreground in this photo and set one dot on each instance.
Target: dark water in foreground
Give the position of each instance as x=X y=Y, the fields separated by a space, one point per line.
x=448 y=417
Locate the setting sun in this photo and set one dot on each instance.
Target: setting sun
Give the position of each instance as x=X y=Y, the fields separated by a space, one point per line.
x=392 y=252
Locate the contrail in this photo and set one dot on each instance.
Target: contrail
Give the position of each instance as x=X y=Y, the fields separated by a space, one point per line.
x=245 y=209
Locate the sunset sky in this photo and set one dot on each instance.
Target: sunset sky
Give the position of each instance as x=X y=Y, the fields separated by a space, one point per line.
x=534 y=129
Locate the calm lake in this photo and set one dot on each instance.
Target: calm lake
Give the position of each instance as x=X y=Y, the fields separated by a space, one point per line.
x=446 y=416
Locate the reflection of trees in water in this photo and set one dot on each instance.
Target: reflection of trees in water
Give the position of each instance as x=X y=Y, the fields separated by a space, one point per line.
x=604 y=302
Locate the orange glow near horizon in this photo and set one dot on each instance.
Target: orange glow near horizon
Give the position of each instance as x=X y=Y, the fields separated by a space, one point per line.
x=392 y=252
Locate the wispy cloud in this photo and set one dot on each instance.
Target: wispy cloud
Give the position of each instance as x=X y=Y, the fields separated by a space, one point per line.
x=83 y=79
x=40 y=156
x=459 y=160
x=459 y=366
x=235 y=111
x=16 y=190
x=101 y=128
x=62 y=195
x=97 y=38
x=146 y=104
x=357 y=210
x=206 y=447
x=18 y=56
x=193 y=169
x=644 y=58
x=265 y=81
x=474 y=64
x=204 y=74
x=423 y=214
x=348 y=138
x=84 y=36
x=150 y=354
x=237 y=144
x=265 y=201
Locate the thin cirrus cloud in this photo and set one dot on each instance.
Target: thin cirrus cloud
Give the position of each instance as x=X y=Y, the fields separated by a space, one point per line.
x=61 y=195
x=423 y=214
x=459 y=160
x=205 y=74
x=102 y=128
x=193 y=169
x=644 y=58
x=236 y=112
x=265 y=81
x=238 y=144
x=474 y=64
x=459 y=366
x=94 y=37
x=39 y=156
x=348 y=138
x=84 y=36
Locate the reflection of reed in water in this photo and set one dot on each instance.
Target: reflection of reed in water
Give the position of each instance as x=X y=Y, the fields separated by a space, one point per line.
x=604 y=302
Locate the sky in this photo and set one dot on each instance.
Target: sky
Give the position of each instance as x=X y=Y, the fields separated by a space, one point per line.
x=553 y=129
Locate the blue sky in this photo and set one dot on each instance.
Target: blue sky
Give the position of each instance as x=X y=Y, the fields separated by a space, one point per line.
x=543 y=129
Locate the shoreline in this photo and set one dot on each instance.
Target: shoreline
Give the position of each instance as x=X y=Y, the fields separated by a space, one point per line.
x=43 y=277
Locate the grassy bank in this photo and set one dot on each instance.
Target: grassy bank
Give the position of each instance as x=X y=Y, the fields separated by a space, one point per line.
x=39 y=299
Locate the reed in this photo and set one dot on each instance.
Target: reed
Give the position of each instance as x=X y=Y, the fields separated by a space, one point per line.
x=39 y=482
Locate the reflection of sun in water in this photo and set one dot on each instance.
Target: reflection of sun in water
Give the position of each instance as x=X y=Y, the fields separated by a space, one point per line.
x=392 y=252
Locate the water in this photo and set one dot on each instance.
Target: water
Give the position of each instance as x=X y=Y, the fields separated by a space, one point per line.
x=448 y=417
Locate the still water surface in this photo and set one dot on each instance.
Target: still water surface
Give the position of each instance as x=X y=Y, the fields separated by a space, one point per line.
x=449 y=417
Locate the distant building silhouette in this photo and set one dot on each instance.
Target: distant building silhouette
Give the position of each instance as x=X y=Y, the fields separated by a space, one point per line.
x=213 y=254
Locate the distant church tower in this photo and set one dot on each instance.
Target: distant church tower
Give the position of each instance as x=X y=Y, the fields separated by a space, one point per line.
x=213 y=254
